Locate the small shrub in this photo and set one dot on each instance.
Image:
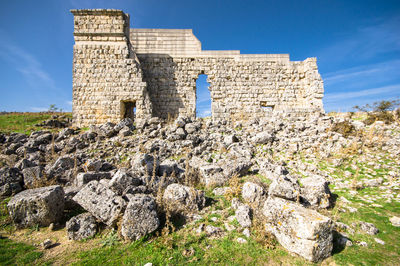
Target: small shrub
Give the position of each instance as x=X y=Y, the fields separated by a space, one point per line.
x=345 y=128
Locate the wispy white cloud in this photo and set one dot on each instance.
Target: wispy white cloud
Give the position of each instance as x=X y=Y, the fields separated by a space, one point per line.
x=366 y=42
x=39 y=109
x=337 y=97
x=69 y=102
x=26 y=64
x=204 y=113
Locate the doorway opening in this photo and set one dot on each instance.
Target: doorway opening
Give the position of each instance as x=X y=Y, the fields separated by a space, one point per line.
x=128 y=110
x=203 y=97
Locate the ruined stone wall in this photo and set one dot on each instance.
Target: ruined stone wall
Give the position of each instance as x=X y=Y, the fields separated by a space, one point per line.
x=156 y=69
x=106 y=72
x=241 y=87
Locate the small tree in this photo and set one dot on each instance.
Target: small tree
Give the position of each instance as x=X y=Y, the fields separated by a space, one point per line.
x=52 y=108
x=379 y=111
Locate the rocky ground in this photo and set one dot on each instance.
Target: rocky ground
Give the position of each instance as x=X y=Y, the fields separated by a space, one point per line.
x=316 y=187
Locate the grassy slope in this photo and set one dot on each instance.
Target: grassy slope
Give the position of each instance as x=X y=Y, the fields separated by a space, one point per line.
x=24 y=122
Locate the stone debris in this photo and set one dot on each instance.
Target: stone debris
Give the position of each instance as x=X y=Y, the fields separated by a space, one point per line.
x=39 y=206
x=140 y=217
x=47 y=244
x=253 y=193
x=243 y=215
x=315 y=191
x=395 y=221
x=11 y=181
x=96 y=198
x=368 y=228
x=183 y=199
x=82 y=226
x=300 y=230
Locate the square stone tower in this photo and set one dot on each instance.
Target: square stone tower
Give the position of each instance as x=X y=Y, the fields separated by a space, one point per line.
x=107 y=78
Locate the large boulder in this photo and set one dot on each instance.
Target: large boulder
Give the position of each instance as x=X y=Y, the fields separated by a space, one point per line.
x=285 y=187
x=315 y=192
x=40 y=206
x=262 y=138
x=183 y=199
x=145 y=163
x=32 y=176
x=100 y=201
x=81 y=226
x=298 y=229
x=123 y=180
x=140 y=217
x=10 y=181
x=253 y=194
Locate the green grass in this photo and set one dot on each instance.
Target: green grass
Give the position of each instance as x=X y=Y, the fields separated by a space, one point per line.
x=13 y=253
x=24 y=122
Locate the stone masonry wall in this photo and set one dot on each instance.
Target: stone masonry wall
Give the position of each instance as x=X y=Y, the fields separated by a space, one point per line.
x=157 y=70
x=239 y=88
x=106 y=72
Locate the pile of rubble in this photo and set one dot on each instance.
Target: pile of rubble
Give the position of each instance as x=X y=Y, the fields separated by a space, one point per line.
x=137 y=178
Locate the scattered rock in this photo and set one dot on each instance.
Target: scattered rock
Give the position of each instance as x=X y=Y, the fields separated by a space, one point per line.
x=368 y=228
x=81 y=226
x=10 y=181
x=84 y=178
x=241 y=240
x=315 y=191
x=299 y=230
x=140 y=217
x=379 y=241
x=183 y=199
x=39 y=206
x=100 y=201
x=286 y=188
x=253 y=193
x=395 y=221
x=243 y=215
x=47 y=244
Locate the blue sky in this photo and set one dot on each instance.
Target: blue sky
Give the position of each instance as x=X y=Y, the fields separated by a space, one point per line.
x=357 y=43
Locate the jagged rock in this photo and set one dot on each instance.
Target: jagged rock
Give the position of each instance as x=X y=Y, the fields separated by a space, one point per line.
x=315 y=191
x=40 y=206
x=93 y=165
x=212 y=175
x=368 y=228
x=167 y=167
x=253 y=193
x=122 y=180
x=190 y=128
x=125 y=132
x=58 y=169
x=235 y=166
x=107 y=130
x=81 y=226
x=285 y=187
x=140 y=217
x=47 y=244
x=183 y=199
x=69 y=194
x=32 y=176
x=262 y=138
x=243 y=215
x=145 y=162
x=100 y=201
x=229 y=139
x=84 y=178
x=126 y=122
x=10 y=181
x=298 y=229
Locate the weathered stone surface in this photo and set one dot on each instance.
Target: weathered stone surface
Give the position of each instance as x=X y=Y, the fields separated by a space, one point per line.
x=183 y=199
x=298 y=229
x=32 y=175
x=84 y=178
x=315 y=191
x=253 y=193
x=100 y=201
x=262 y=138
x=285 y=187
x=39 y=206
x=81 y=226
x=164 y=66
x=243 y=215
x=10 y=181
x=140 y=217
x=368 y=228
x=395 y=221
x=122 y=180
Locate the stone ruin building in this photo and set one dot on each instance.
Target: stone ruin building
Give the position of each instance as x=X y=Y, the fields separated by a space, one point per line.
x=120 y=72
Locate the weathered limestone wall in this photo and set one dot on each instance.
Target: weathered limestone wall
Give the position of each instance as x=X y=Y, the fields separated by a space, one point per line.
x=241 y=86
x=106 y=72
x=157 y=70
